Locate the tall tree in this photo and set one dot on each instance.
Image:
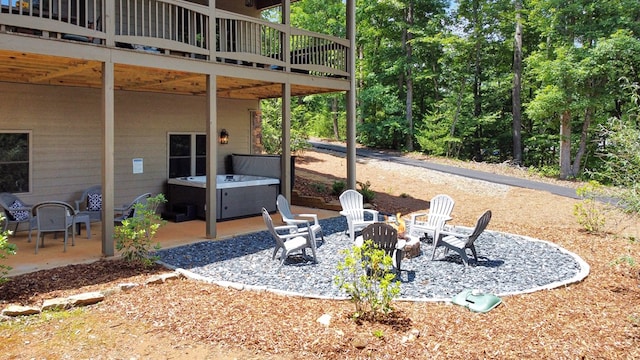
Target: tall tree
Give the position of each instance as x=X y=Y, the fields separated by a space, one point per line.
x=517 y=86
x=572 y=29
x=408 y=144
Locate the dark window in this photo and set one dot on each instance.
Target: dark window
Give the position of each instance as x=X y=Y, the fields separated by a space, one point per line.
x=14 y=162
x=201 y=155
x=187 y=155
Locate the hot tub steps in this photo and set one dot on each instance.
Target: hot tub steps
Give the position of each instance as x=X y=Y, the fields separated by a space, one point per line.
x=180 y=213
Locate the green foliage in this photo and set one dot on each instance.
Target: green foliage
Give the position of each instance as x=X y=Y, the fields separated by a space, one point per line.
x=622 y=154
x=550 y=171
x=320 y=187
x=6 y=248
x=365 y=189
x=272 y=129
x=338 y=187
x=588 y=211
x=384 y=125
x=365 y=275
x=135 y=235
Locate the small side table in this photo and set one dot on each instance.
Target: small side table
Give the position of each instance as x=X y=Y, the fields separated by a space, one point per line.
x=79 y=219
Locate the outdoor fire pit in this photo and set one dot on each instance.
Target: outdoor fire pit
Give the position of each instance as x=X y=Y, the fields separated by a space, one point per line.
x=412 y=247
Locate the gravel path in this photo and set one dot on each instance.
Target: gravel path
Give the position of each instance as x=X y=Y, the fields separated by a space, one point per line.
x=508 y=264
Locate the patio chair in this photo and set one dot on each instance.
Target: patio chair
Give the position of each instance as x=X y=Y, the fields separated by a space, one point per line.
x=385 y=237
x=16 y=212
x=440 y=208
x=90 y=203
x=353 y=209
x=54 y=216
x=460 y=242
x=291 y=241
x=290 y=218
x=129 y=210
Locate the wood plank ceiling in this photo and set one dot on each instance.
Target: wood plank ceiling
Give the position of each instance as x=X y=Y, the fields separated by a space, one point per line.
x=53 y=70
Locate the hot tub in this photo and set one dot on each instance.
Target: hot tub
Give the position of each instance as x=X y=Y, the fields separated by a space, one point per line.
x=238 y=195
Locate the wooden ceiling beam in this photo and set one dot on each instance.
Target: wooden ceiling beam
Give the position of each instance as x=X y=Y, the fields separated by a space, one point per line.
x=73 y=68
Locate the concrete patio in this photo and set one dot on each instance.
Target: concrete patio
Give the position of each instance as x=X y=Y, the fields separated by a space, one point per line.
x=89 y=250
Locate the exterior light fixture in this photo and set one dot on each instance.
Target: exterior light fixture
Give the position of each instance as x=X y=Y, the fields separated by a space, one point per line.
x=224 y=137
x=248 y=3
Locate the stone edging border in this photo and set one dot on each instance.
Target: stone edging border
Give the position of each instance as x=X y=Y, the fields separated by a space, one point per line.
x=90 y=298
x=580 y=276
x=78 y=300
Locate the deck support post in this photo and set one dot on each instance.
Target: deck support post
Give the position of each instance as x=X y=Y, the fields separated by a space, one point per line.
x=108 y=168
x=212 y=156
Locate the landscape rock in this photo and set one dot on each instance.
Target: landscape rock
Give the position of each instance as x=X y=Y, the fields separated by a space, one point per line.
x=325 y=319
x=19 y=310
x=86 y=298
x=59 y=303
x=360 y=342
x=127 y=286
x=159 y=279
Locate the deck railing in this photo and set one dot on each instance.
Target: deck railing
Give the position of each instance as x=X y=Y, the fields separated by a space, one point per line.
x=176 y=27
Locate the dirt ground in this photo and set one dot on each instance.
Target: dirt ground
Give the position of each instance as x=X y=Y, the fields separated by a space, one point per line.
x=598 y=318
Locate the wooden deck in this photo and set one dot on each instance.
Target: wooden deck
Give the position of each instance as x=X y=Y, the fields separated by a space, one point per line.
x=89 y=250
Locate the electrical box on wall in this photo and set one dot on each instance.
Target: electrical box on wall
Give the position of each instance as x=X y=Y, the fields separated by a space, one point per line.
x=138 y=166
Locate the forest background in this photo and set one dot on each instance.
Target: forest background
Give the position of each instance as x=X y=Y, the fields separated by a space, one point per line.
x=547 y=84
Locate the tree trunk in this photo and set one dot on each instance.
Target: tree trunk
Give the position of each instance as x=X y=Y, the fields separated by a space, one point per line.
x=477 y=73
x=359 y=119
x=584 y=136
x=408 y=144
x=452 y=130
x=517 y=86
x=565 y=145
x=334 y=112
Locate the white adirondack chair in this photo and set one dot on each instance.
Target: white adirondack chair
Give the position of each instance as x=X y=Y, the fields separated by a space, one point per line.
x=290 y=218
x=440 y=208
x=289 y=241
x=357 y=216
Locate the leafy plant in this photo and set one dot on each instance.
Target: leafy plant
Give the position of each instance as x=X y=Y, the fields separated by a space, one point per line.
x=549 y=171
x=134 y=237
x=320 y=187
x=589 y=212
x=365 y=189
x=6 y=248
x=366 y=275
x=338 y=187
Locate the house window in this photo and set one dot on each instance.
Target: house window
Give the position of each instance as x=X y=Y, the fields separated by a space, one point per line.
x=14 y=162
x=187 y=155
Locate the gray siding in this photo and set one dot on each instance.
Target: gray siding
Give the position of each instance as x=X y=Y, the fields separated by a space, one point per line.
x=66 y=143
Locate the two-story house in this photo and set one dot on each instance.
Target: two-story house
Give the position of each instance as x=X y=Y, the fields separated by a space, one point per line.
x=129 y=93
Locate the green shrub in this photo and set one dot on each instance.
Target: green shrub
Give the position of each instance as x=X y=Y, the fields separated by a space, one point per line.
x=6 y=248
x=365 y=189
x=136 y=233
x=320 y=187
x=588 y=211
x=549 y=171
x=366 y=276
x=338 y=187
